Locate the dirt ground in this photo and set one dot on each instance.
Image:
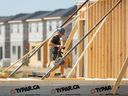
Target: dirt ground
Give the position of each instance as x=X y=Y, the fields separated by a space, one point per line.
x=25 y=71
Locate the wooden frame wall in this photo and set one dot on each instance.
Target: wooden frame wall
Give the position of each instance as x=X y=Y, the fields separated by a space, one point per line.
x=109 y=50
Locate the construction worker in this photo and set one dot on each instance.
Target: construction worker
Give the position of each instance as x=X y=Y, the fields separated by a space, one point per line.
x=55 y=46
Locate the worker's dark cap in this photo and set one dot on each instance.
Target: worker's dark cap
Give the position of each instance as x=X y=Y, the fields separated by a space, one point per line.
x=61 y=30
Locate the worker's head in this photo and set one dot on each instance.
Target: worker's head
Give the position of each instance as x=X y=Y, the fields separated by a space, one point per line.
x=60 y=31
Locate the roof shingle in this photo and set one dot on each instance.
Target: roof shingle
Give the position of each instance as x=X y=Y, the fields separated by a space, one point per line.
x=39 y=14
x=62 y=12
x=21 y=16
x=5 y=18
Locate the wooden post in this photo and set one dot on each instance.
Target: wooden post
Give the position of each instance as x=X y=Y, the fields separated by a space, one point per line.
x=44 y=55
x=62 y=66
x=48 y=58
x=80 y=47
x=126 y=26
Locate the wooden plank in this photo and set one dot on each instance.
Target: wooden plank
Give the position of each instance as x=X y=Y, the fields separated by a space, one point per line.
x=116 y=41
x=120 y=76
x=126 y=15
x=98 y=44
x=48 y=54
x=94 y=43
x=89 y=59
x=71 y=35
x=120 y=36
x=92 y=47
x=87 y=56
x=109 y=42
x=124 y=56
x=101 y=44
x=105 y=36
x=44 y=55
x=80 y=48
x=113 y=44
x=126 y=19
x=86 y=41
x=108 y=30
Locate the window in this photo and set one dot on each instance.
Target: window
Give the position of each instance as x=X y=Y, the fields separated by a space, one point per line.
x=50 y=26
x=15 y=28
x=57 y=24
x=37 y=27
x=1 y=53
x=39 y=55
x=40 y=26
x=33 y=27
x=29 y=27
x=19 y=52
x=0 y=29
x=14 y=50
x=11 y=28
x=18 y=28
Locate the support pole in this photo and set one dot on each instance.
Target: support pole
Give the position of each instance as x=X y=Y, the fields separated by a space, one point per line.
x=80 y=47
x=120 y=76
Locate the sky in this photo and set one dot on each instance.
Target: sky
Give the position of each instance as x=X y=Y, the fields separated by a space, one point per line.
x=12 y=7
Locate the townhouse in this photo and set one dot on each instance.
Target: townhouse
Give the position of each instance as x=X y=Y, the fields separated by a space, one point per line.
x=37 y=33
x=26 y=31
x=18 y=36
x=4 y=41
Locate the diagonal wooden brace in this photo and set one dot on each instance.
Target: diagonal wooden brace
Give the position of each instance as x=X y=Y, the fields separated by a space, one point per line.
x=120 y=76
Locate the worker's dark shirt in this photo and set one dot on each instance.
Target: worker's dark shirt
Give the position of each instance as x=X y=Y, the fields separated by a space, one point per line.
x=55 y=40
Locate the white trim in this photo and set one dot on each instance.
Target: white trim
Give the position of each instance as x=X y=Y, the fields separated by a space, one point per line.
x=18 y=21
x=31 y=20
x=52 y=18
x=81 y=1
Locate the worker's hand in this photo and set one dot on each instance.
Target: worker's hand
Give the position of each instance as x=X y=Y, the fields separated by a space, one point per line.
x=61 y=47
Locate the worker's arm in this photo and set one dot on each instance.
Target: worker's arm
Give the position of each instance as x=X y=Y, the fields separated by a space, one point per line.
x=54 y=45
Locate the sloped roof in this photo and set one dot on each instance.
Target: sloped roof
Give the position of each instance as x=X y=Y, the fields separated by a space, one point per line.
x=62 y=12
x=21 y=16
x=39 y=14
x=5 y=18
